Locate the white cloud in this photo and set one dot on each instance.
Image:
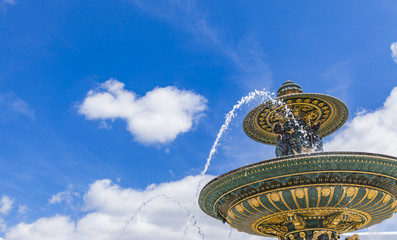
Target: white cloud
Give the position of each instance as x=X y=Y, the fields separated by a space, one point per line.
x=57 y=227
x=5 y=3
x=159 y=210
x=393 y=48
x=11 y=102
x=11 y=2
x=22 y=209
x=370 y=131
x=157 y=117
x=376 y=132
x=5 y=204
x=66 y=196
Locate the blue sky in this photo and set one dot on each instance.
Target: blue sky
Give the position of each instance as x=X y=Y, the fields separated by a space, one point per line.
x=122 y=100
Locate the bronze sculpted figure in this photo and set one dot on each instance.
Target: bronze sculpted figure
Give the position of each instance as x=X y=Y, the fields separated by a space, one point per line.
x=295 y=136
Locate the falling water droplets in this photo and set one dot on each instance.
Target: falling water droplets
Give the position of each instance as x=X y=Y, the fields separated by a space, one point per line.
x=263 y=95
x=230 y=234
x=158 y=197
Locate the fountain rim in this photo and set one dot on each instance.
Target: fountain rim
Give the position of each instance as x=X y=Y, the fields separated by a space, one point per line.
x=259 y=135
x=291 y=157
x=207 y=193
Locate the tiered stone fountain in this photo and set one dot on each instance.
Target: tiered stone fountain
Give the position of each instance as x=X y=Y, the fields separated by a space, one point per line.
x=303 y=193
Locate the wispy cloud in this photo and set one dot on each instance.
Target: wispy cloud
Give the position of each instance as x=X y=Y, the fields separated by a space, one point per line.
x=22 y=209
x=393 y=48
x=11 y=102
x=339 y=79
x=6 y=3
x=10 y=2
x=157 y=117
x=66 y=196
x=6 y=204
x=244 y=52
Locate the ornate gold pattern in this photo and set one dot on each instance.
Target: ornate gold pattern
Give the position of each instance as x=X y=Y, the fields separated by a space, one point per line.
x=275 y=197
x=394 y=204
x=239 y=208
x=338 y=220
x=325 y=191
x=254 y=202
x=296 y=220
x=303 y=196
x=299 y=193
x=266 y=218
x=328 y=157
x=317 y=234
x=302 y=235
x=344 y=222
x=386 y=199
x=312 y=108
x=372 y=194
x=353 y=237
x=351 y=191
x=277 y=230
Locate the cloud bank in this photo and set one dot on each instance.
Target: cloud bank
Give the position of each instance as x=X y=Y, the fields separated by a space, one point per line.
x=111 y=212
x=370 y=131
x=157 y=117
x=393 y=49
x=11 y=103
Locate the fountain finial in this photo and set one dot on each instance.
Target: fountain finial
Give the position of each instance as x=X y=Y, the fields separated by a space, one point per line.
x=289 y=87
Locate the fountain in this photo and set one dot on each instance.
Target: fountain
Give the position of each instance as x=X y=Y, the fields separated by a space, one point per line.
x=304 y=193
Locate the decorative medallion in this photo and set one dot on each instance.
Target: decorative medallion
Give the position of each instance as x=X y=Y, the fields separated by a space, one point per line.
x=254 y=202
x=325 y=191
x=299 y=193
x=275 y=197
x=351 y=191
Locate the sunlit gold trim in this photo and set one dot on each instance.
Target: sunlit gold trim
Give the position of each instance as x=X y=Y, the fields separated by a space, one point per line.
x=295 y=174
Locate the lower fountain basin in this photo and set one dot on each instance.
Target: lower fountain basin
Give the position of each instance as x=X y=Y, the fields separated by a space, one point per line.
x=303 y=197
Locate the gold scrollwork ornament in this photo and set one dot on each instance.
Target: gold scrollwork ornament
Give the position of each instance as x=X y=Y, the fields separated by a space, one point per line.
x=302 y=235
x=343 y=222
x=317 y=234
x=296 y=220
x=353 y=237
x=274 y=229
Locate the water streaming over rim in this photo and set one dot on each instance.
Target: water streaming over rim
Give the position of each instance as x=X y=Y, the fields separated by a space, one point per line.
x=264 y=95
